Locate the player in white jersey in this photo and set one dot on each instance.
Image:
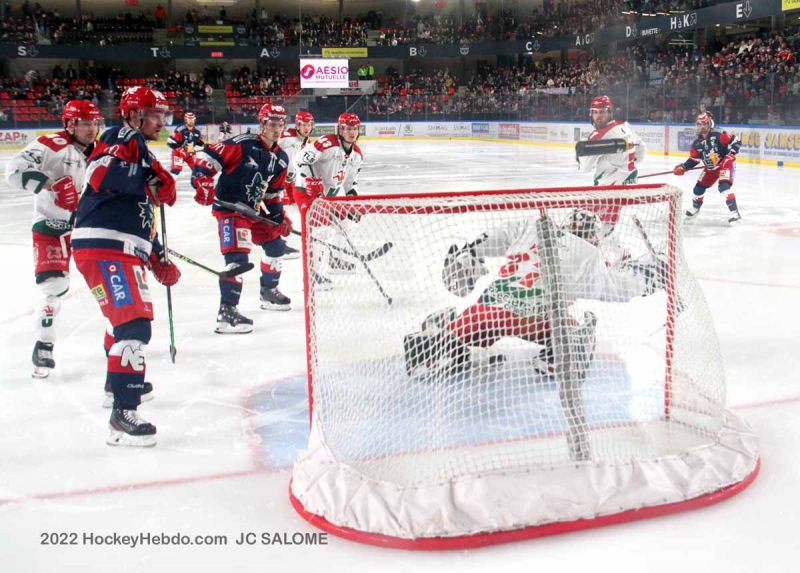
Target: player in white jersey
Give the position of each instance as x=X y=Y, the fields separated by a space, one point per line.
x=330 y=167
x=292 y=141
x=614 y=168
x=516 y=302
x=53 y=168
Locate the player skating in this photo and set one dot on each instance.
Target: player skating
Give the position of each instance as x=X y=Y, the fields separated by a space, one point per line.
x=620 y=166
x=330 y=167
x=185 y=142
x=52 y=168
x=292 y=141
x=252 y=170
x=115 y=239
x=716 y=149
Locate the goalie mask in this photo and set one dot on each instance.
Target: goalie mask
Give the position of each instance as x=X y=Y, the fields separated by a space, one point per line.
x=462 y=269
x=584 y=225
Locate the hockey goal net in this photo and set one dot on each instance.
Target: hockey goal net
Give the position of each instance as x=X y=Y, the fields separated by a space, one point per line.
x=211 y=131
x=493 y=366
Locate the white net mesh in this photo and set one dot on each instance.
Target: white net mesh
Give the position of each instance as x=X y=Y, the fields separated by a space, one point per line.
x=505 y=332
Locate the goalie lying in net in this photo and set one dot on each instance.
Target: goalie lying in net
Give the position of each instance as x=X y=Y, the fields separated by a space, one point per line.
x=515 y=303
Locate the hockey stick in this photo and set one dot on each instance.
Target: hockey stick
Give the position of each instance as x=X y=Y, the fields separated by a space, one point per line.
x=670 y=172
x=250 y=213
x=172 y=349
x=360 y=258
x=241 y=269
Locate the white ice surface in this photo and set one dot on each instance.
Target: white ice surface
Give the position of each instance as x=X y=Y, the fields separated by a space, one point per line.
x=209 y=474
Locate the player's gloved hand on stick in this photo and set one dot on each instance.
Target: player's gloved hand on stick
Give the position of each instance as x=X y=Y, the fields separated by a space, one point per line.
x=679 y=169
x=286 y=226
x=204 y=189
x=66 y=193
x=166 y=273
x=182 y=153
x=314 y=187
x=162 y=186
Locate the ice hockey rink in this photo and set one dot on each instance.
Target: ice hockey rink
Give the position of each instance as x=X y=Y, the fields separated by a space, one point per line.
x=232 y=412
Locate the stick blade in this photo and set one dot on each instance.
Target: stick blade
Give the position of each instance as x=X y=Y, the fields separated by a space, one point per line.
x=241 y=269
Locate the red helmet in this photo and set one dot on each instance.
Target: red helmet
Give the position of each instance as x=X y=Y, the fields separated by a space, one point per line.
x=270 y=111
x=80 y=109
x=189 y=116
x=704 y=117
x=144 y=99
x=304 y=117
x=601 y=102
x=350 y=119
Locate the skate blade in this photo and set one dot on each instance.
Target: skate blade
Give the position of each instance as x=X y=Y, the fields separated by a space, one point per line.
x=108 y=401
x=117 y=438
x=735 y=222
x=40 y=373
x=225 y=328
x=291 y=256
x=323 y=287
x=272 y=306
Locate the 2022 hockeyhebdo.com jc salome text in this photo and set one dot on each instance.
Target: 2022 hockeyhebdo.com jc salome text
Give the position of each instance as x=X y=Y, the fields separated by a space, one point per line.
x=143 y=539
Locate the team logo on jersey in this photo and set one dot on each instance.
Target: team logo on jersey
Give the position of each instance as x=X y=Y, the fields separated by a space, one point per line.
x=53 y=253
x=251 y=163
x=255 y=189
x=116 y=282
x=146 y=214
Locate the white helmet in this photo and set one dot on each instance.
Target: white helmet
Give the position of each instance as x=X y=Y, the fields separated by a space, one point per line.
x=462 y=269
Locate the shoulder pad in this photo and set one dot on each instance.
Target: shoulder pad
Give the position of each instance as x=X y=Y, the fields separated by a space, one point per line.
x=357 y=149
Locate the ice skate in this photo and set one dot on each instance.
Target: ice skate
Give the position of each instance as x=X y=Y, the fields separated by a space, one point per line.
x=273 y=299
x=691 y=213
x=42 y=358
x=128 y=429
x=735 y=218
x=229 y=321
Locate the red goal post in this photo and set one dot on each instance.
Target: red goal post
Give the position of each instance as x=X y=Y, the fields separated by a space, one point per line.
x=575 y=382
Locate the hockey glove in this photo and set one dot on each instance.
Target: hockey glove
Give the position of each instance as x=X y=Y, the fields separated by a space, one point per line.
x=204 y=189
x=66 y=194
x=314 y=187
x=166 y=273
x=162 y=187
x=182 y=153
x=679 y=169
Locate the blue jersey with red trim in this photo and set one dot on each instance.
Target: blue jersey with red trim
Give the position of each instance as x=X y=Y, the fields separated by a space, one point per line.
x=115 y=211
x=712 y=148
x=250 y=172
x=186 y=137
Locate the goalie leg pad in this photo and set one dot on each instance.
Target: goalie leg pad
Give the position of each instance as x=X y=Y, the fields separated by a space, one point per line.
x=430 y=354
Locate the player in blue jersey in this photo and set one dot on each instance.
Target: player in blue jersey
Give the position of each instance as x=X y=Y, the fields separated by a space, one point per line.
x=252 y=170
x=185 y=142
x=114 y=240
